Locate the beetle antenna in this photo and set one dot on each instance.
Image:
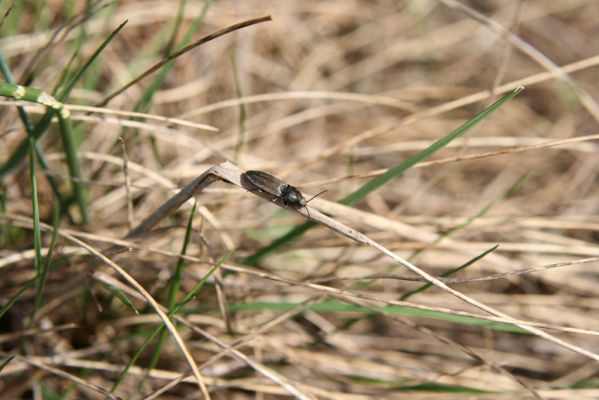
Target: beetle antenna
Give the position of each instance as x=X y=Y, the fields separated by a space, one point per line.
x=316 y=195
x=312 y=198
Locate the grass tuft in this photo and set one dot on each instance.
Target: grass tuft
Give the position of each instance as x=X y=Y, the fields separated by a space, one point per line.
x=499 y=214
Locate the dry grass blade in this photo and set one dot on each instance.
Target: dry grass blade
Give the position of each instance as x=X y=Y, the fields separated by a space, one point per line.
x=586 y=100
x=70 y=377
x=30 y=332
x=184 y=50
x=411 y=278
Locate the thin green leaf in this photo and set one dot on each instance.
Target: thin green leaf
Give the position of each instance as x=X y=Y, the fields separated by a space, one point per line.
x=242 y=114
x=12 y=18
x=15 y=297
x=334 y=306
x=379 y=181
x=37 y=232
x=449 y=273
x=65 y=93
x=400 y=384
x=436 y=387
x=135 y=357
x=5 y=237
x=198 y=286
x=66 y=130
x=177 y=25
x=483 y=211
x=67 y=70
x=176 y=279
x=5 y=362
x=43 y=274
x=148 y=95
x=119 y=294
x=67 y=135
x=584 y=384
x=20 y=152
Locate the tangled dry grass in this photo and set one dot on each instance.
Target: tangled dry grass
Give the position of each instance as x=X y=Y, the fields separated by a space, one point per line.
x=326 y=96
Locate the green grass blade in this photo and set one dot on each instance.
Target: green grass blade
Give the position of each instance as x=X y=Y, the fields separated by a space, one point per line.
x=11 y=20
x=5 y=362
x=119 y=294
x=67 y=70
x=377 y=182
x=504 y=196
x=198 y=286
x=188 y=298
x=43 y=274
x=337 y=307
x=65 y=93
x=28 y=285
x=175 y=284
x=589 y=383
x=295 y=233
x=20 y=152
x=4 y=229
x=426 y=386
x=449 y=273
x=68 y=143
x=37 y=232
x=53 y=183
x=242 y=113
x=177 y=25
x=162 y=335
x=146 y=100
x=66 y=128
x=436 y=387
x=135 y=357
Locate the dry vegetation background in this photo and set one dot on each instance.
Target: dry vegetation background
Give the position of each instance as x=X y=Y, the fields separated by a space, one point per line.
x=332 y=93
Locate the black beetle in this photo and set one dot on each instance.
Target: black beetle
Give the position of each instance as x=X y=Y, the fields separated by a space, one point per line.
x=267 y=183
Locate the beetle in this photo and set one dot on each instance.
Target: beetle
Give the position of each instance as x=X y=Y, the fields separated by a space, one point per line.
x=270 y=184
